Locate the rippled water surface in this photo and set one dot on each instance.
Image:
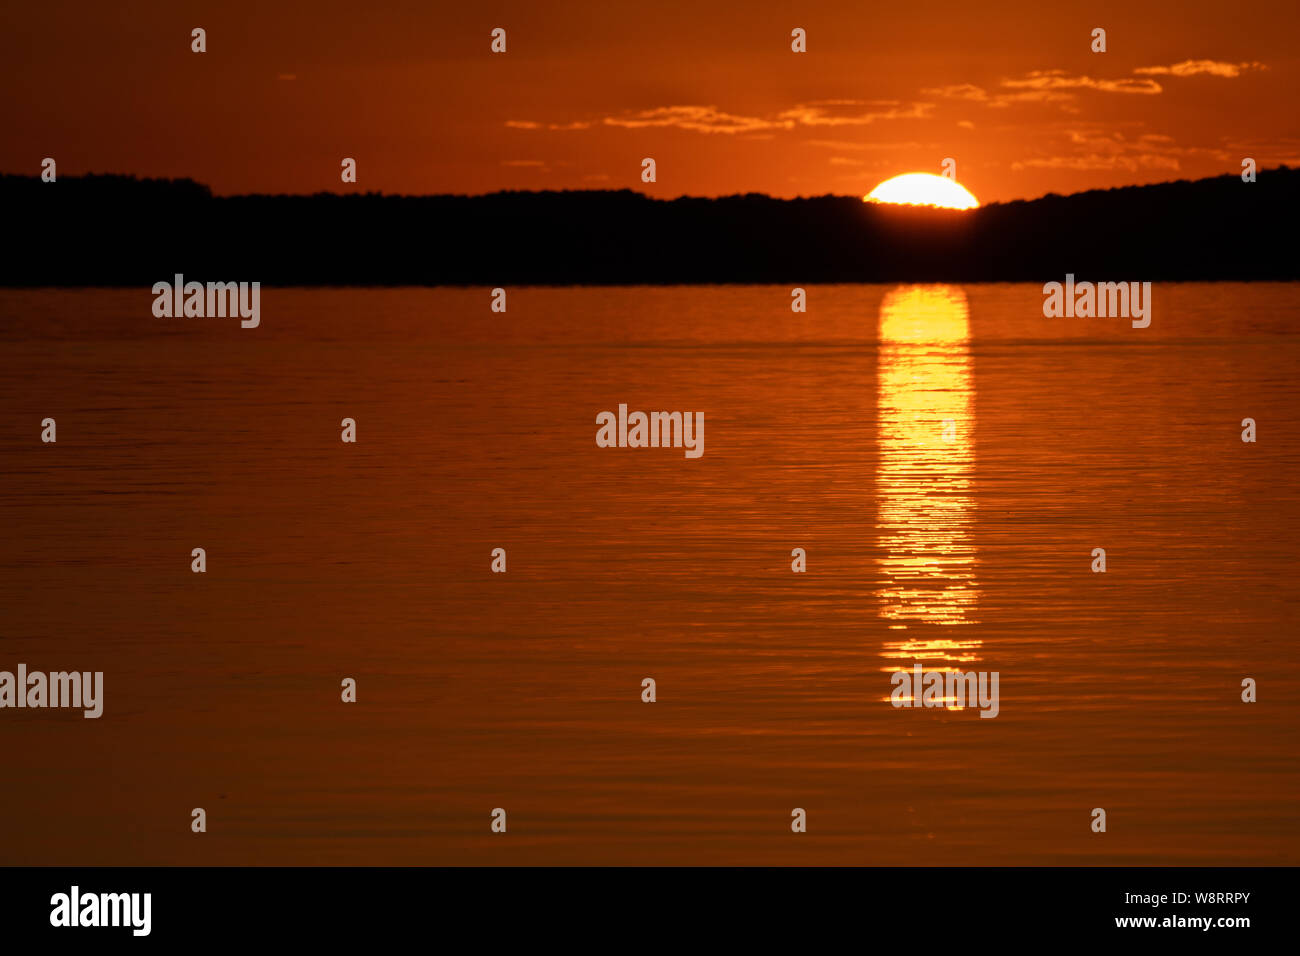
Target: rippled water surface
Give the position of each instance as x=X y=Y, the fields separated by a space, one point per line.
x=947 y=457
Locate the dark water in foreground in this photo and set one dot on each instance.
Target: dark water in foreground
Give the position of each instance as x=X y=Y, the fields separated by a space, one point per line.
x=948 y=457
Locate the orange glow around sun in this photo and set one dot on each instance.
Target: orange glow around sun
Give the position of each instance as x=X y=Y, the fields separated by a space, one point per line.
x=923 y=189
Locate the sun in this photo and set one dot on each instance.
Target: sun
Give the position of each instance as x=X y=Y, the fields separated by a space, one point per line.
x=923 y=189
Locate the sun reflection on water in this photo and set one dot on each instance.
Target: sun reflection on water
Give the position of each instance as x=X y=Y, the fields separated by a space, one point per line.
x=923 y=482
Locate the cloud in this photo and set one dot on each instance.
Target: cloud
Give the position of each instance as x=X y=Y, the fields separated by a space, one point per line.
x=710 y=119
x=701 y=119
x=959 y=91
x=1098 y=148
x=529 y=124
x=1063 y=100
x=1193 y=67
x=1060 y=80
x=523 y=162
x=1047 y=87
x=1095 y=161
x=1060 y=87
x=854 y=112
x=847 y=144
x=1281 y=151
x=1055 y=87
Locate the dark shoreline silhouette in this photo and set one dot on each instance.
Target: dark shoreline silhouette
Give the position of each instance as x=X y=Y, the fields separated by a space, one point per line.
x=121 y=231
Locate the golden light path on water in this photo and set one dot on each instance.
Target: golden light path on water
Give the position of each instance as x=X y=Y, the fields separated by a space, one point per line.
x=923 y=480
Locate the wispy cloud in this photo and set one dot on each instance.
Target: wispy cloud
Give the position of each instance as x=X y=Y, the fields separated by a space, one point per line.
x=842 y=144
x=1060 y=87
x=529 y=124
x=701 y=119
x=1051 y=86
x=1193 y=67
x=710 y=119
x=854 y=112
x=959 y=91
x=1060 y=80
x=1058 y=97
x=1096 y=148
x=1099 y=161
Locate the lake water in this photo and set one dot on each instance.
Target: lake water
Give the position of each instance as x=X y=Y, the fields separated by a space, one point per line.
x=947 y=457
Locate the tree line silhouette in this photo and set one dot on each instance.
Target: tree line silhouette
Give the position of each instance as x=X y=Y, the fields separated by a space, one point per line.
x=123 y=231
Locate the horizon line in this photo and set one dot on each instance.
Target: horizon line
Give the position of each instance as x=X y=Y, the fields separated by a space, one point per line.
x=1282 y=167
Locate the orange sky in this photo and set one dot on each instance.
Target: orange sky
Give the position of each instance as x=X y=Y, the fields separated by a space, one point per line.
x=712 y=91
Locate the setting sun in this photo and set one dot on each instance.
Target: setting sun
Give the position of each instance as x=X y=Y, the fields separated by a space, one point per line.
x=923 y=189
